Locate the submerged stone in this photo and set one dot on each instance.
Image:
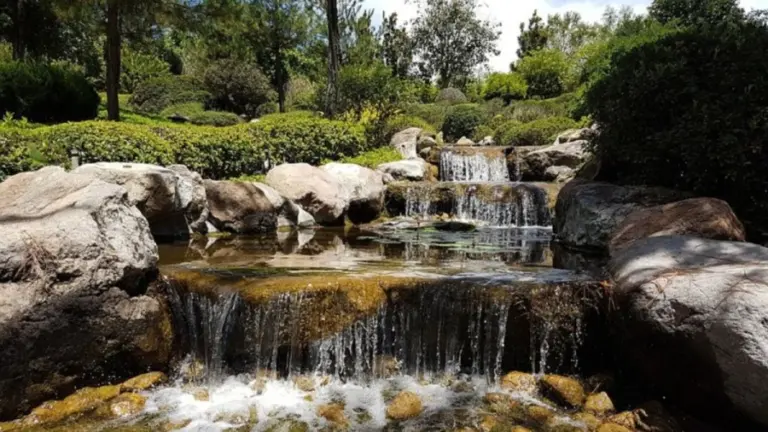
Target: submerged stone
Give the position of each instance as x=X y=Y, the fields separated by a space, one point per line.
x=564 y=390
x=304 y=383
x=404 y=406
x=334 y=413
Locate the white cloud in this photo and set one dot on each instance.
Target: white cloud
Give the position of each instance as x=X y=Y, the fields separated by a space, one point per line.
x=510 y=13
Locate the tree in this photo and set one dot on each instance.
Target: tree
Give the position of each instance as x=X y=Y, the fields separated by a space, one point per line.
x=396 y=46
x=568 y=33
x=696 y=12
x=450 y=40
x=505 y=86
x=334 y=58
x=546 y=72
x=532 y=39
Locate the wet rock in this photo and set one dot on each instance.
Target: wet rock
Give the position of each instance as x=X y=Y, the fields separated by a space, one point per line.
x=334 y=413
x=563 y=390
x=82 y=401
x=304 y=383
x=433 y=157
x=176 y=425
x=519 y=381
x=588 y=213
x=316 y=191
x=612 y=427
x=144 y=382
x=570 y=155
x=501 y=403
x=697 y=217
x=386 y=366
x=464 y=141
x=76 y=262
x=425 y=142
x=127 y=404
x=240 y=207
x=487 y=141
x=363 y=190
x=574 y=135
x=288 y=213
x=192 y=370
x=558 y=174
x=698 y=307
x=404 y=406
x=411 y=169
x=489 y=423
x=288 y=425
x=201 y=394
x=590 y=420
x=405 y=142
x=659 y=419
x=172 y=199
x=599 y=403
x=627 y=419
x=539 y=414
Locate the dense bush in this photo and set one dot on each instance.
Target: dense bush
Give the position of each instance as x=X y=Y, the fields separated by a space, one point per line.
x=689 y=111
x=155 y=95
x=462 y=122
x=184 y=109
x=536 y=133
x=530 y=110
x=505 y=86
x=46 y=93
x=237 y=86
x=138 y=67
x=402 y=122
x=451 y=96
x=214 y=118
x=19 y=151
x=374 y=158
x=300 y=94
x=434 y=114
x=371 y=87
x=546 y=71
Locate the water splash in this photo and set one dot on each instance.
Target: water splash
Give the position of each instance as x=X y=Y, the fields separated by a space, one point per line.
x=525 y=206
x=458 y=166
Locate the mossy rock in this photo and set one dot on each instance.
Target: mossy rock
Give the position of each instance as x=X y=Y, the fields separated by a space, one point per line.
x=612 y=427
x=404 y=406
x=125 y=405
x=334 y=413
x=81 y=402
x=563 y=390
x=539 y=414
x=144 y=382
x=519 y=381
x=588 y=419
x=599 y=404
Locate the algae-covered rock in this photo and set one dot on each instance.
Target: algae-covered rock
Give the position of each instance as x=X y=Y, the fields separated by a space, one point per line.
x=127 y=404
x=563 y=390
x=599 y=403
x=201 y=394
x=489 y=423
x=81 y=402
x=627 y=419
x=589 y=419
x=501 y=403
x=519 y=381
x=304 y=383
x=144 y=382
x=386 y=366
x=539 y=414
x=612 y=427
x=334 y=413
x=404 y=406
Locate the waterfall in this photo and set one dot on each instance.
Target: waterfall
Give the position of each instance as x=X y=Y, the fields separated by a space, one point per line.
x=524 y=206
x=476 y=167
x=417 y=202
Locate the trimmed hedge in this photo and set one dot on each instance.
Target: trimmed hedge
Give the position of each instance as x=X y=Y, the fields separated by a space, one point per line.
x=214 y=118
x=215 y=152
x=536 y=133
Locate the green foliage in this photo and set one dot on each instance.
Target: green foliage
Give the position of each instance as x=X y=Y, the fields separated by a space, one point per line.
x=426 y=92
x=186 y=109
x=396 y=46
x=481 y=132
x=138 y=67
x=19 y=151
x=529 y=110
x=370 y=86
x=451 y=96
x=433 y=114
x=532 y=39
x=546 y=71
x=301 y=95
x=374 y=158
x=536 y=133
x=462 y=122
x=505 y=86
x=46 y=93
x=214 y=118
x=237 y=86
x=155 y=95
x=689 y=111
x=696 y=12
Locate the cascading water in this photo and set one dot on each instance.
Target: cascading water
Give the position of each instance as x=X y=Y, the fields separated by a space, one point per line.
x=458 y=166
x=526 y=207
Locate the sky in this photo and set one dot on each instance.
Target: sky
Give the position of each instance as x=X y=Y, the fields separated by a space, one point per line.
x=510 y=13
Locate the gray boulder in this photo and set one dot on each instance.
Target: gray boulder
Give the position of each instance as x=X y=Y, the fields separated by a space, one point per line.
x=425 y=141
x=363 y=190
x=76 y=307
x=172 y=199
x=574 y=135
x=464 y=141
x=694 y=322
x=569 y=155
x=288 y=213
x=411 y=169
x=406 y=142
x=487 y=141
x=240 y=207
x=316 y=191
x=559 y=174
x=587 y=213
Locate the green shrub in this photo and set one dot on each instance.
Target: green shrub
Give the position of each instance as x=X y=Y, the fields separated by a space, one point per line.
x=462 y=122
x=300 y=95
x=434 y=114
x=451 y=96
x=157 y=94
x=214 y=118
x=481 y=132
x=20 y=150
x=238 y=87
x=546 y=71
x=374 y=158
x=689 y=111
x=138 y=67
x=46 y=93
x=402 y=122
x=536 y=133
x=185 y=109
x=505 y=86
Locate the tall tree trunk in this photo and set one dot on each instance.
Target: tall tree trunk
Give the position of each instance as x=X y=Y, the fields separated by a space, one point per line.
x=17 y=12
x=334 y=57
x=280 y=78
x=113 y=60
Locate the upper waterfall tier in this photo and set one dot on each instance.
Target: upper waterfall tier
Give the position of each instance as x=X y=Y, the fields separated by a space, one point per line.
x=496 y=204
x=473 y=164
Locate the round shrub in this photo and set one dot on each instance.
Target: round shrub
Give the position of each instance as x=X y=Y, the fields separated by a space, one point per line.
x=451 y=96
x=536 y=133
x=214 y=118
x=689 y=111
x=238 y=87
x=46 y=93
x=462 y=122
x=155 y=95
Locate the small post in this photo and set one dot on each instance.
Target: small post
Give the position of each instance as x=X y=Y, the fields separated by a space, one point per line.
x=74 y=158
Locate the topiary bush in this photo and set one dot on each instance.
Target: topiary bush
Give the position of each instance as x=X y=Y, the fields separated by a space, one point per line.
x=214 y=118
x=155 y=95
x=536 y=133
x=462 y=122
x=451 y=96
x=689 y=111
x=238 y=87
x=46 y=93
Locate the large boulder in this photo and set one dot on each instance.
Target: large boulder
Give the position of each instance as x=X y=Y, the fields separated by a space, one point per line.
x=587 y=213
x=700 y=217
x=411 y=169
x=172 y=199
x=694 y=323
x=288 y=213
x=316 y=191
x=406 y=142
x=241 y=207
x=363 y=190
x=76 y=307
x=540 y=164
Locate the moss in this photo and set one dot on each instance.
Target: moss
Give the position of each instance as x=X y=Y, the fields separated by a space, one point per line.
x=405 y=405
x=334 y=413
x=565 y=390
x=144 y=382
x=81 y=402
x=519 y=381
